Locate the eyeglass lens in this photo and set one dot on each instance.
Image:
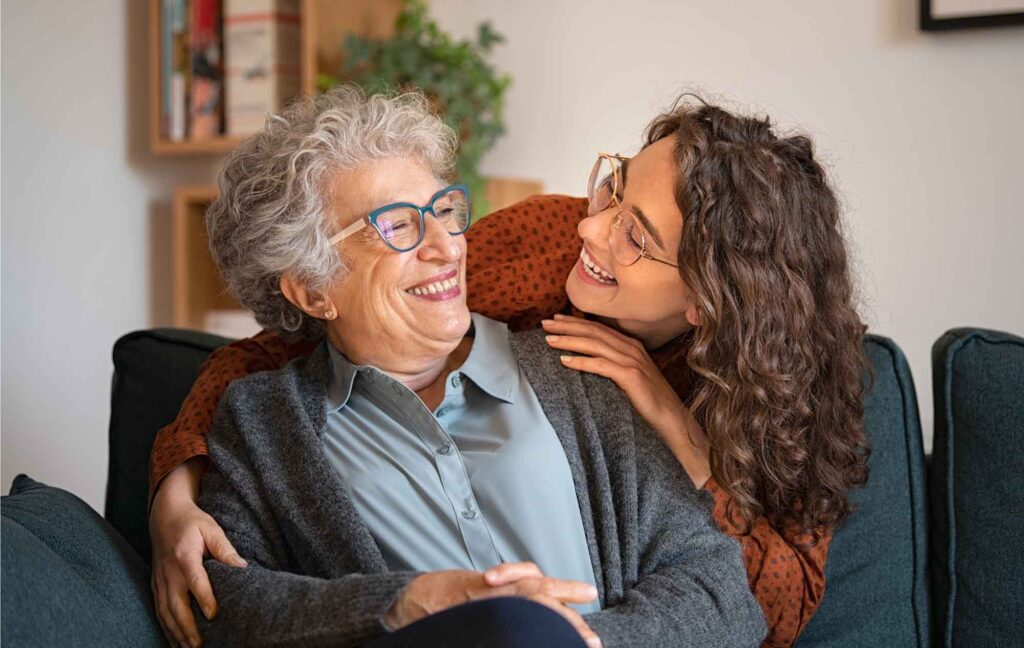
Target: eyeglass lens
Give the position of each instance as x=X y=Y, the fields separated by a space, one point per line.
x=401 y=227
x=602 y=184
x=625 y=239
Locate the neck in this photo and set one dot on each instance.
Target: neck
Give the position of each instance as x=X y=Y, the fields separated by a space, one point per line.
x=417 y=372
x=652 y=335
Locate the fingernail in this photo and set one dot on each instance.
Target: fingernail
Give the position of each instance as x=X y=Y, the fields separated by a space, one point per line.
x=547 y=321
x=592 y=592
x=594 y=642
x=559 y=316
x=208 y=613
x=551 y=338
x=567 y=359
x=194 y=642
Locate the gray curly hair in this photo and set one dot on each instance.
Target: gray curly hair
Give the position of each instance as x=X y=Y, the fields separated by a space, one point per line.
x=270 y=216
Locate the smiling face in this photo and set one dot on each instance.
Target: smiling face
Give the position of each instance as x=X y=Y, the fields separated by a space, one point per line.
x=646 y=299
x=396 y=309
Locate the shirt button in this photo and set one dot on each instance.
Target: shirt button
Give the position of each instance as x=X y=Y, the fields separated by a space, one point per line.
x=443 y=411
x=469 y=515
x=445 y=449
x=456 y=381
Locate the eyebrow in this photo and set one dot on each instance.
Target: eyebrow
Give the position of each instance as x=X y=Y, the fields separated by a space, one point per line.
x=639 y=213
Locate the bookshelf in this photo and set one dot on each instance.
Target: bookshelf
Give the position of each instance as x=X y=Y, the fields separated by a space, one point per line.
x=324 y=25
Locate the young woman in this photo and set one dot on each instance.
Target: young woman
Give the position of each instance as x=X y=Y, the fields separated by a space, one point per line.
x=715 y=279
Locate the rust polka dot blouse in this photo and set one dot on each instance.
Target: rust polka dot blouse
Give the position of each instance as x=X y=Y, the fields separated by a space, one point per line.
x=516 y=267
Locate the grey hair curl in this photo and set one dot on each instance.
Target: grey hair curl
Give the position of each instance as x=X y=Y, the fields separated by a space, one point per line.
x=275 y=193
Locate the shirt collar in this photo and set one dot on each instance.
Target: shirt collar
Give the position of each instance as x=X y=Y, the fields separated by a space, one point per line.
x=491 y=365
x=343 y=376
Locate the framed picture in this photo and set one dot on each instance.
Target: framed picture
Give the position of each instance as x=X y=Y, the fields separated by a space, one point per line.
x=941 y=15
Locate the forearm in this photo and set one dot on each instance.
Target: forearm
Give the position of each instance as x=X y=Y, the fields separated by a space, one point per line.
x=261 y=607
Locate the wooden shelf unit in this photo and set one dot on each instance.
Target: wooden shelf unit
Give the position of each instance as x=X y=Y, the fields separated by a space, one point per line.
x=325 y=23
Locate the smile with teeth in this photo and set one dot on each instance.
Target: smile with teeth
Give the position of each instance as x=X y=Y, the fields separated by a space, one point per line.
x=434 y=288
x=593 y=270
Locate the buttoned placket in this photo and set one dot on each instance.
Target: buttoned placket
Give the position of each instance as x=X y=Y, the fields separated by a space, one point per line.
x=433 y=432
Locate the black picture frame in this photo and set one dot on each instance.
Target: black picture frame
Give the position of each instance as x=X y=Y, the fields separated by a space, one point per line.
x=931 y=23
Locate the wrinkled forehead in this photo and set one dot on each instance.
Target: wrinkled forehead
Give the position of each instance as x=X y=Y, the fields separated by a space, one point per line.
x=354 y=193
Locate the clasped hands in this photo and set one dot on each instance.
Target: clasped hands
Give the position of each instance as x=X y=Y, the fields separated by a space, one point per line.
x=435 y=591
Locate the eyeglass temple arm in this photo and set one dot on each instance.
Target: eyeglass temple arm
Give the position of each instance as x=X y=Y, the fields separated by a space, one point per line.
x=348 y=231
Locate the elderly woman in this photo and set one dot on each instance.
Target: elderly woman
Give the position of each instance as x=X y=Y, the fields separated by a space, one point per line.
x=422 y=457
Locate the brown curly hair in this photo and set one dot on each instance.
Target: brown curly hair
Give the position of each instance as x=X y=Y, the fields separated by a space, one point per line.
x=778 y=358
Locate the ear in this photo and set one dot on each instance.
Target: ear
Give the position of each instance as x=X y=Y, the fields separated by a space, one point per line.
x=312 y=303
x=692 y=314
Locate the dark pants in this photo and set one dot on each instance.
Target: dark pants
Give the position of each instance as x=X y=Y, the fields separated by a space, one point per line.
x=490 y=623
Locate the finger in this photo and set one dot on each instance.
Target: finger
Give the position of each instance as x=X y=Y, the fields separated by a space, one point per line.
x=199 y=584
x=624 y=377
x=163 y=606
x=510 y=572
x=159 y=617
x=182 y=611
x=573 y=617
x=220 y=547
x=568 y=591
x=590 y=346
x=582 y=328
x=599 y=327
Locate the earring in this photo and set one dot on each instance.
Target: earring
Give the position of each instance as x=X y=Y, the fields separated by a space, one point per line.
x=329 y=314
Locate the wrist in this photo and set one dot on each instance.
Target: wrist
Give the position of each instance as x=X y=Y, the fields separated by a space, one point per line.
x=182 y=482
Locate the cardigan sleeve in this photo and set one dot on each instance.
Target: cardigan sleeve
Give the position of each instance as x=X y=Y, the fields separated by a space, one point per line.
x=691 y=588
x=266 y=603
x=787 y=578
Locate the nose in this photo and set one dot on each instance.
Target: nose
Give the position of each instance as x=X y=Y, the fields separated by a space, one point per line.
x=594 y=229
x=438 y=244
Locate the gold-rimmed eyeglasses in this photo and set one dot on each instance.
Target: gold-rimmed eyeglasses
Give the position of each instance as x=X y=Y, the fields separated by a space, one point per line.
x=626 y=238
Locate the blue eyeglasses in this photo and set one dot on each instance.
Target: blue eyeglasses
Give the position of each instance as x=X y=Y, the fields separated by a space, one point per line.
x=402 y=225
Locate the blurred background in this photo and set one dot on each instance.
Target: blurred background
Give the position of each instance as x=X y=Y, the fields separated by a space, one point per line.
x=116 y=114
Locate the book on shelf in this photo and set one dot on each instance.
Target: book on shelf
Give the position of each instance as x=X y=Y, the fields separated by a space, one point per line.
x=177 y=68
x=205 y=96
x=261 y=44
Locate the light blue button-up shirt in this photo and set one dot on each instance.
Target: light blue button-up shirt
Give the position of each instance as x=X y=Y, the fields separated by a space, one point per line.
x=480 y=481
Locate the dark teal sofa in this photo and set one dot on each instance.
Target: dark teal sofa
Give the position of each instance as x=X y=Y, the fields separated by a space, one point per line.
x=925 y=560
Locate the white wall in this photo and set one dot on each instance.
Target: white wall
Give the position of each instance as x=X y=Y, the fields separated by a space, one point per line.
x=924 y=132
x=85 y=217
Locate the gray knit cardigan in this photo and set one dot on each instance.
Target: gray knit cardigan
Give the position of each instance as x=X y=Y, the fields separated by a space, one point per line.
x=666 y=576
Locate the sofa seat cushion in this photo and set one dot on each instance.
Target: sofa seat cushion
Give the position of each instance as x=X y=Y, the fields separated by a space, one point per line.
x=876 y=589
x=69 y=579
x=977 y=488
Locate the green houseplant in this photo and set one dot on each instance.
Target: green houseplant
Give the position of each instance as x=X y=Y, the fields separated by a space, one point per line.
x=454 y=74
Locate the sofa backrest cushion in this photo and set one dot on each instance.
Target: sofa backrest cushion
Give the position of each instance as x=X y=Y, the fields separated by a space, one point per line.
x=69 y=579
x=876 y=587
x=977 y=488
x=153 y=372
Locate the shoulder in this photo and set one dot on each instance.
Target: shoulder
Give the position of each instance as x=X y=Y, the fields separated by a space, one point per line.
x=266 y=394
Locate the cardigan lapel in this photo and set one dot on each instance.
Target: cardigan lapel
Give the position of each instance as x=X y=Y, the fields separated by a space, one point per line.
x=315 y=507
x=563 y=399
